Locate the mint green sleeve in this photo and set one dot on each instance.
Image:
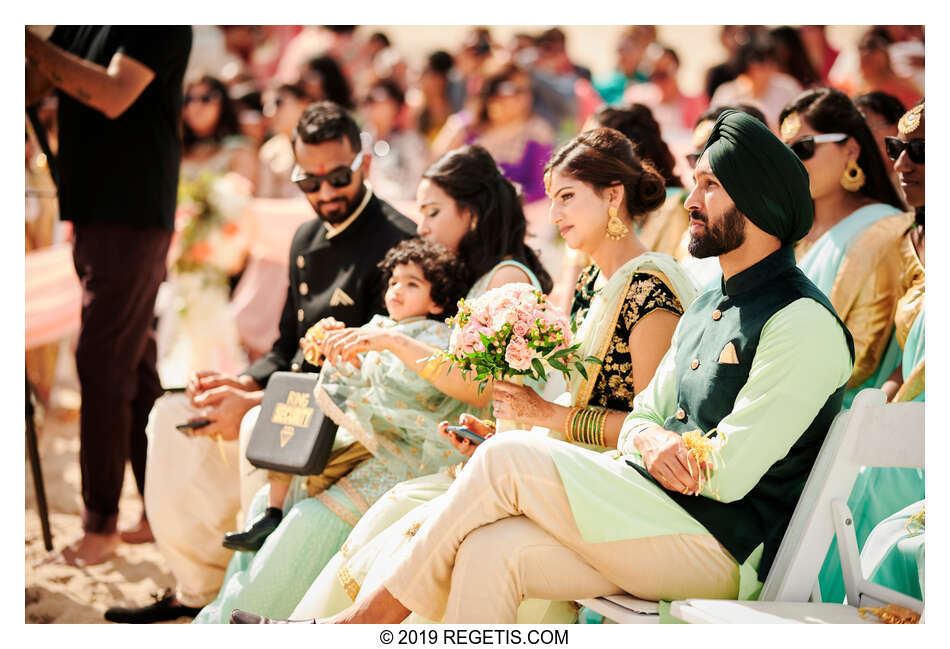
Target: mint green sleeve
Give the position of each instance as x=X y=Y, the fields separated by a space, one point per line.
x=801 y=359
x=654 y=404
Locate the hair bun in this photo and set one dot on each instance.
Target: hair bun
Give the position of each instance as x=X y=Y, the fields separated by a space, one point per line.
x=651 y=190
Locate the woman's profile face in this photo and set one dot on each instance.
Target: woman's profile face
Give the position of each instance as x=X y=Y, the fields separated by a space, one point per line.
x=441 y=219
x=826 y=166
x=578 y=212
x=202 y=109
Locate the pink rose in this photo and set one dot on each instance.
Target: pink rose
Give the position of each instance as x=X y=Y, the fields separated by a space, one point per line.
x=518 y=355
x=521 y=329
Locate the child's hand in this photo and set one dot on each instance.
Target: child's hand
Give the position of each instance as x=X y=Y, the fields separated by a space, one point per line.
x=329 y=324
x=312 y=342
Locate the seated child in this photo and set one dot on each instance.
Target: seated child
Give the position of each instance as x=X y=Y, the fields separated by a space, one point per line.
x=383 y=408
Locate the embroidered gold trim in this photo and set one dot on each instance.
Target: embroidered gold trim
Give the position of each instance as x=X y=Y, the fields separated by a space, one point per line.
x=345 y=550
x=353 y=494
x=411 y=532
x=337 y=509
x=350 y=585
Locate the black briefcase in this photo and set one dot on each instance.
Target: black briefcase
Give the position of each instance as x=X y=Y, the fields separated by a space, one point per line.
x=292 y=435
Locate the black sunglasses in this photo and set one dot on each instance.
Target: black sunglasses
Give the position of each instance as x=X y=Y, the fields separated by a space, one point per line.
x=804 y=147
x=338 y=178
x=206 y=98
x=894 y=146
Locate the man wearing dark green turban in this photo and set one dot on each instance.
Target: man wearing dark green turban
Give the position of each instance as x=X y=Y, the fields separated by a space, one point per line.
x=757 y=365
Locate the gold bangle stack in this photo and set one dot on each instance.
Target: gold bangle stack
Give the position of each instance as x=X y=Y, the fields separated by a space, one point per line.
x=586 y=426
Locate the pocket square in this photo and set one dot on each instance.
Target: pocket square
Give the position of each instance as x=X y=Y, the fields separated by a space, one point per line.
x=728 y=355
x=340 y=297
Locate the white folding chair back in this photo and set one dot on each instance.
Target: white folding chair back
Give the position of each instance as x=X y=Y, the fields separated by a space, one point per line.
x=872 y=433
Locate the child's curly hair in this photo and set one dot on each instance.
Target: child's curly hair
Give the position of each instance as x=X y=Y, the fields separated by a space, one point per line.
x=439 y=267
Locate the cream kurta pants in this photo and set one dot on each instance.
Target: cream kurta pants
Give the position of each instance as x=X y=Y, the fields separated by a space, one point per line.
x=193 y=496
x=507 y=533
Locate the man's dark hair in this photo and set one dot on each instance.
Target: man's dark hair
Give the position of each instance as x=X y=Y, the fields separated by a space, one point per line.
x=439 y=267
x=325 y=121
x=886 y=105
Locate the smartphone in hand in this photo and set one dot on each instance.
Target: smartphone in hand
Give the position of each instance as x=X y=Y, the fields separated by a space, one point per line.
x=189 y=426
x=462 y=432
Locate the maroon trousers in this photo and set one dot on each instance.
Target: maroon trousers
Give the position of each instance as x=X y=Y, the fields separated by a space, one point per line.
x=120 y=268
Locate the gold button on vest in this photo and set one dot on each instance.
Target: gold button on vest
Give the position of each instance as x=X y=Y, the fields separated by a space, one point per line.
x=295 y=367
x=304 y=289
x=694 y=364
x=681 y=414
x=300 y=261
x=299 y=315
x=716 y=314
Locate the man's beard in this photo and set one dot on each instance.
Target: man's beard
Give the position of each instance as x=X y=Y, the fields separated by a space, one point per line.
x=338 y=210
x=718 y=239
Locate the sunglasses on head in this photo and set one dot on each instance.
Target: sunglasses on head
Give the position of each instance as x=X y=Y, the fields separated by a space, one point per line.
x=206 y=98
x=338 y=178
x=894 y=146
x=804 y=147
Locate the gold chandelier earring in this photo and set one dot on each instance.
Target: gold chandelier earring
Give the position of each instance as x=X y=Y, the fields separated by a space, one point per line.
x=853 y=177
x=616 y=228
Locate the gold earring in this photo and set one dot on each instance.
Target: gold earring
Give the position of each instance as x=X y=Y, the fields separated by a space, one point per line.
x=853 y=177
x=616 y=228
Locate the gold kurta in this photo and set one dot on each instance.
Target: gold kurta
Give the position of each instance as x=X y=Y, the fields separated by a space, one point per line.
x=867 y=288
x=912 y=285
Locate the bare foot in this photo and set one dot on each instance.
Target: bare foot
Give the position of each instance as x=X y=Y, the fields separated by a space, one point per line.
x=379 y=608
x=89 y=550
x=141 y=532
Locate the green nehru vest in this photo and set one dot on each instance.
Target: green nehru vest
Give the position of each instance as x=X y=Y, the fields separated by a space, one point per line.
x=707 y=390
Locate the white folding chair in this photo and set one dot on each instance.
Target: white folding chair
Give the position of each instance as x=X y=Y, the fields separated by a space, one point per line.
x=871 y=433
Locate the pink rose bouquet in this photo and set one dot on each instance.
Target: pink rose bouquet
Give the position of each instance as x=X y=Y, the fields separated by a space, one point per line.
x=513 y=331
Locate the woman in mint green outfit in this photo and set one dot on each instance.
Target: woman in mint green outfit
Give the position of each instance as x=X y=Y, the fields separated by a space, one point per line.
x=626 y=284
x=856 y=253
x=469 y=207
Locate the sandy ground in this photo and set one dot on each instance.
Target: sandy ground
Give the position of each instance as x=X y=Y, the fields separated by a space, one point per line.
x=63 y=594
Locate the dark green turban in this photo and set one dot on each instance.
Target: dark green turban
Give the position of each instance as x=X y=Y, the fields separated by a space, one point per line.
x=767 y=182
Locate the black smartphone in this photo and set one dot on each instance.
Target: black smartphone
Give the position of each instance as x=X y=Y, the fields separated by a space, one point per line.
x=194 y=424
x=461 y=431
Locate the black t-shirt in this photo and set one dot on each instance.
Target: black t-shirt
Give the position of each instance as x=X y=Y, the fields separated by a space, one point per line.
x=124 y=170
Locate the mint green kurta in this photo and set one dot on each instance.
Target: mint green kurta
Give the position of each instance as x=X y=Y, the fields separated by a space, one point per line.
x=612 y=501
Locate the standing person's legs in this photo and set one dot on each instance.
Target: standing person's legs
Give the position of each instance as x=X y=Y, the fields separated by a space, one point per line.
x=120 y=268
x=515 y=476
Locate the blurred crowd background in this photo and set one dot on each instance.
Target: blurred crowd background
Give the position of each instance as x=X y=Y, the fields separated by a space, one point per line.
x=520 y=91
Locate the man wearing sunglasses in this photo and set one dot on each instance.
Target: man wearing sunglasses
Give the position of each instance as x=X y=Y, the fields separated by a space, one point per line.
x=192 y=495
